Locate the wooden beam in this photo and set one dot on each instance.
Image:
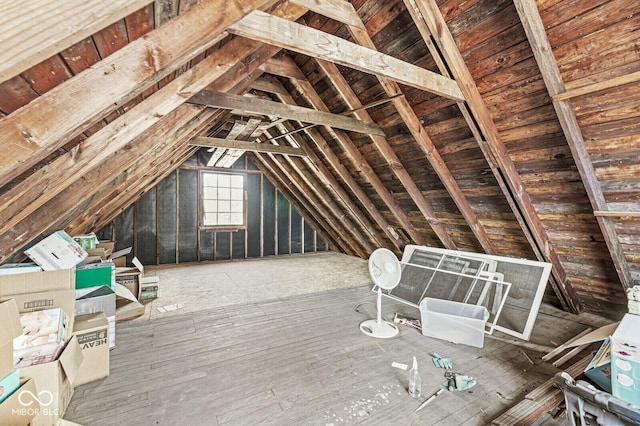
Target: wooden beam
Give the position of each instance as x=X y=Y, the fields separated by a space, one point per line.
x=20 y=201
x=345 y=176
x=339 y=10
x=596 y=87
x=308 y=41
x=36 y=30
x=392 y=159
x=363 y=166
x=247 y=146
x=429 y=11
x=16 y=237
x=299 y=174
x=534 y=28
x=264 y=107
x=50 y=121
x=317 y=167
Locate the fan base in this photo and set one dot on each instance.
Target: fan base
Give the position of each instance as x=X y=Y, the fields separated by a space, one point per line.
x=381 y=330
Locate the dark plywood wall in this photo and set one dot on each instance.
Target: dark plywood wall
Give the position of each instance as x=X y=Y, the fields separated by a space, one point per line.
x=162 y=227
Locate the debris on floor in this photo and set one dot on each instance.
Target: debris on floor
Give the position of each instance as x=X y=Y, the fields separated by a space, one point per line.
x=457 y=381
x=440 y=362
x=414 y=323
x=168 y=308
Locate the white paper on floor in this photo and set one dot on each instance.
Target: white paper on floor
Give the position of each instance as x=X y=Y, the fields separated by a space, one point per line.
x=168 y=308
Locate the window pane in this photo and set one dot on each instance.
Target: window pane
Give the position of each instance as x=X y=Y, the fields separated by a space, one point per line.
x=222 y=199
x=224 y=219
x=237 y=218
x=209 y=219
x=210 y=206
x=237 y=194
x=224 y=193
x=210 y=193
x=209 y=179
x=237 y=181
x=224 y=180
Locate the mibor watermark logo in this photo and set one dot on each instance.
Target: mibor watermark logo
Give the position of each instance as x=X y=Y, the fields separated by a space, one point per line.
x=33 y=405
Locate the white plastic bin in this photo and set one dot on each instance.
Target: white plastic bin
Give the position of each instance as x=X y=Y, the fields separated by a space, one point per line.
x=453 y=321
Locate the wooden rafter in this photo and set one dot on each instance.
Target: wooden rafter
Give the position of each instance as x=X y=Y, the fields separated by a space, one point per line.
x=36 y=30
x=299 y=38
x=298 y=201
x=26 y=137
x=310 y=183
x=350 y=17
x=246 y=146
x=534 y=28
x=289 y=180
x=344 y=174
x=307 y=90
x=270 y=108
x=19 y=202
x=393 y=161
x=430 y=13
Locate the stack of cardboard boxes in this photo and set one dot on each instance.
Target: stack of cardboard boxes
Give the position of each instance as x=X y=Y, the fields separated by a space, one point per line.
x=615 y=368
x=58 y=318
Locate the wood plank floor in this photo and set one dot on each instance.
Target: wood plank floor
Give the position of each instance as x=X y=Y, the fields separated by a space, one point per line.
x=301 y=359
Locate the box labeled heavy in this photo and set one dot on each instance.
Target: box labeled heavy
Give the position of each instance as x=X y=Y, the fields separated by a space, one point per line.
x=92 y=332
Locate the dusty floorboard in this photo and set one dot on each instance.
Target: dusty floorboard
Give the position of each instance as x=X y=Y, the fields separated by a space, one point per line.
x=298 y=358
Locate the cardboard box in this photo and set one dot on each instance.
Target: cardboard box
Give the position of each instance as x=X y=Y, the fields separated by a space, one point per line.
x=55 y=379
x=10 y=329
x=86 y=241
x=130 y=276
x=94 y=275
x=37 y=282
x=42 y=339
x=148 y=288
x=21 y=407
x=127 y=305
x=625 y=360
x=9 y=384
x=95 y=300
x=92 y=332
x=63 y=299
x=57 y=251
x=18 y=268
x=599 y=369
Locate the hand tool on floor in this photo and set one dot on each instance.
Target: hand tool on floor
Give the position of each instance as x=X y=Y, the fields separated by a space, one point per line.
x=428 y=400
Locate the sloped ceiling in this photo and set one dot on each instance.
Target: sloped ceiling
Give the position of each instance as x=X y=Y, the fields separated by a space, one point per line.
x=504 y=126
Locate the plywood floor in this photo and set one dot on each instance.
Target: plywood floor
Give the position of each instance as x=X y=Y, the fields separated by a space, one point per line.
x=293 y=355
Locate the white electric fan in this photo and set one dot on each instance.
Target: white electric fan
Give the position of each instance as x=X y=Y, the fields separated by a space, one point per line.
x=385 y=272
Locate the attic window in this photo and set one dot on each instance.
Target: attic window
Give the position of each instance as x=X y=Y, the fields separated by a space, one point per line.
x=223 y=200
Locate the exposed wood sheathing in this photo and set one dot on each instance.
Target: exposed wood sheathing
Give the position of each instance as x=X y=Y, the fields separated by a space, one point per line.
x=508 y=127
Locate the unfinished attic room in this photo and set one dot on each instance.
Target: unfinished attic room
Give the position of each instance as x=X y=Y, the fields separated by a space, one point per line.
x=319 y=212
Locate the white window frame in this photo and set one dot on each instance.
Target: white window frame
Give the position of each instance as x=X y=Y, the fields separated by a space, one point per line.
x=226 y=198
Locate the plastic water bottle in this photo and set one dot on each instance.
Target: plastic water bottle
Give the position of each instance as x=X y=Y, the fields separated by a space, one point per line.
x=415 y=383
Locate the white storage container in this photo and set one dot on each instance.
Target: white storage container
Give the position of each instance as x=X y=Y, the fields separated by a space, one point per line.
x=453 y=321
